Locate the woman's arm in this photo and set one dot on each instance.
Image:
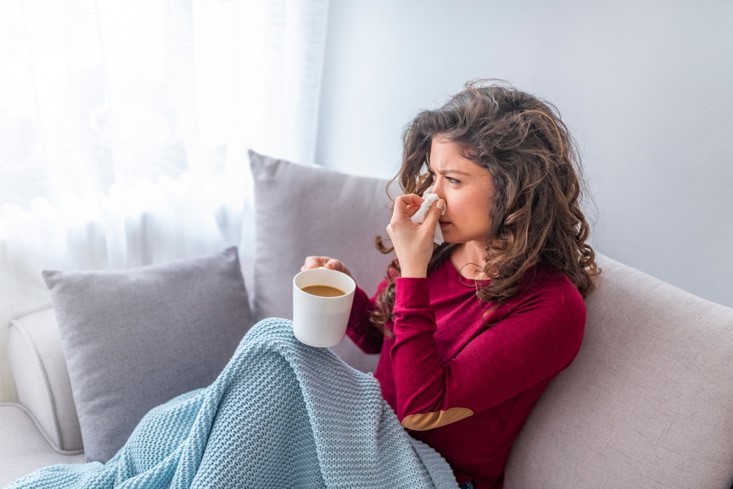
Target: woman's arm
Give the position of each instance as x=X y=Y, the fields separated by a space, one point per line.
x=538 y=338
x=361 y=330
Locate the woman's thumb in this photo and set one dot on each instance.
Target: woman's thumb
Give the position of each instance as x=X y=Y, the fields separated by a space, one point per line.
x=436 y=212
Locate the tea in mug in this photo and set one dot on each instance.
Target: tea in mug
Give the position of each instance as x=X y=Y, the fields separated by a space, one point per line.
x=322 y=290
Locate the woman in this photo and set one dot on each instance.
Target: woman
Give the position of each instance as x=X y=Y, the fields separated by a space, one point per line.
x=472 y=331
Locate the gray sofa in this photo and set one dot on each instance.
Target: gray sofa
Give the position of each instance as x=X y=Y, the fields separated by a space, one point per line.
x=648 y=403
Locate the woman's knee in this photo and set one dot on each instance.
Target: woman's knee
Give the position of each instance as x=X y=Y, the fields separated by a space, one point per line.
x=271 y=330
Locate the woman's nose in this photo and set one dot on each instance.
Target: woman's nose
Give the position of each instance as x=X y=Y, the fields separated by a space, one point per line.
x=438 y=186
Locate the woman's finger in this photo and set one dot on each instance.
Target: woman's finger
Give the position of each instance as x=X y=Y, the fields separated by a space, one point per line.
x=314 y=262
x=434 y=214
x=406 y=205
x=324 y=262
x=337 y=265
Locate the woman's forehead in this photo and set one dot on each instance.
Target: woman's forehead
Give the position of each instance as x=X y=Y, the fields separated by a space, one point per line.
x=447 y=155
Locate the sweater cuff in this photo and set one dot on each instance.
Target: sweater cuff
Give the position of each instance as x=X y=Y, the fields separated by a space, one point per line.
x=358 y=307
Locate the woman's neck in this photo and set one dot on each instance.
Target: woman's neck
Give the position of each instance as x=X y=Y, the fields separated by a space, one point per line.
x=468 y=259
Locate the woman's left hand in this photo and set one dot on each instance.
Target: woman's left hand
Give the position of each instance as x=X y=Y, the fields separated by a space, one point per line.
x=413 y=243
x=325 y=262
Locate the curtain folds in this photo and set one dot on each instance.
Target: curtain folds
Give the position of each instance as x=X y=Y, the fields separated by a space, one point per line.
x=124 y=129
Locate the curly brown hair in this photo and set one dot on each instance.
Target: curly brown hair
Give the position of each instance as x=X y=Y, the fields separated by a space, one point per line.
x=536 y=216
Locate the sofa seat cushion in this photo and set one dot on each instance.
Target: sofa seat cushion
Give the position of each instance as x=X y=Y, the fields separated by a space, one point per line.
x=23 y=448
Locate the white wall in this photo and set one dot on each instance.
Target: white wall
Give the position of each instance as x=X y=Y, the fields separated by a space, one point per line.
x=646 y=87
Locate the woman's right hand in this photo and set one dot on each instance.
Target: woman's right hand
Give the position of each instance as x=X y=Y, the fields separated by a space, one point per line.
x=325 y=262
x=413 y=243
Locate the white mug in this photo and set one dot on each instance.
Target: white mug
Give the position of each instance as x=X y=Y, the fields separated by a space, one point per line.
x=320 y=320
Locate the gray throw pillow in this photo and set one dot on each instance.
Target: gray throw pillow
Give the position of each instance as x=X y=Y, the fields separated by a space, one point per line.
x=306 y=210
x=136 y=338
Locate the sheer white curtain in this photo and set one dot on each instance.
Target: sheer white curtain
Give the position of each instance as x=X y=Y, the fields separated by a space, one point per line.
x=124 y=126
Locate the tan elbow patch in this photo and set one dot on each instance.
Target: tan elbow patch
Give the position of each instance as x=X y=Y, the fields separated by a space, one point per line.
x=430 y=421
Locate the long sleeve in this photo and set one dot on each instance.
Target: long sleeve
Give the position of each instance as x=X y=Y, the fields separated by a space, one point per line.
x=538 y=334
x=361 y=331
x=463 y=375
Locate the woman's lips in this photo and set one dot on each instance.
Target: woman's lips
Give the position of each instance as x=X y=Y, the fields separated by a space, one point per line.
x=443 y=224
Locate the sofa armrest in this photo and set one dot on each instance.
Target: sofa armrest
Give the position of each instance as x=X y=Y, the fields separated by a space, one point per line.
x=23 y=448
x=42 y=379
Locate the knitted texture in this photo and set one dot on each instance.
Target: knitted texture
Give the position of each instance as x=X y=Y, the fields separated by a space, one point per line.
x=281 y=414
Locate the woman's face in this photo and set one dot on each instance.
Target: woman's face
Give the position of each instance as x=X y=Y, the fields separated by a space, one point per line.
x=467 y=190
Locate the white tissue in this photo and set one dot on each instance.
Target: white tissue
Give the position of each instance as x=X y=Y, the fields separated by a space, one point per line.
x=418 y=217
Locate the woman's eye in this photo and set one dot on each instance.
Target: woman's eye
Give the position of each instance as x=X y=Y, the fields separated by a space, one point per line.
x=452 y=180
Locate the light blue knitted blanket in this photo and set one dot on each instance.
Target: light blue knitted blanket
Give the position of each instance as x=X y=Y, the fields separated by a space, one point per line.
x=281 y=414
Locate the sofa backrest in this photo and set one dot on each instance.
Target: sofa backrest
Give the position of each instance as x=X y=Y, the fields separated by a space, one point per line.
x=648 y=402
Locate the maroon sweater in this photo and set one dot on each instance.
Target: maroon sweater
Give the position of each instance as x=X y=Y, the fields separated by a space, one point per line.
x=461 y=386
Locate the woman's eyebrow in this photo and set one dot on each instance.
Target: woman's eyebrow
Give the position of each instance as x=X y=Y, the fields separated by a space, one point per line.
x=456 y=172
x=446 y=171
